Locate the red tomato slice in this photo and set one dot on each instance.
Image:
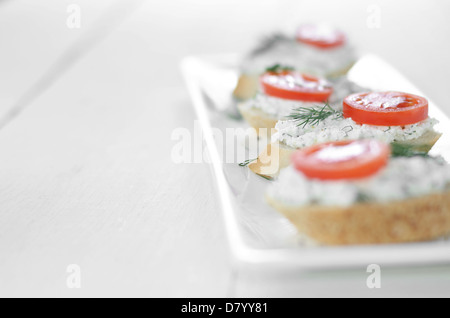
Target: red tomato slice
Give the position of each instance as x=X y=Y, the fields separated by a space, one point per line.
x=385 y=108
x=295 y=86
x=322 y=37
x=341 y=160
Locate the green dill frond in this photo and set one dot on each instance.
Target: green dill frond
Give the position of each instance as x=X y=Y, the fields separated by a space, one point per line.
x=247 y=162
x=313 y=115
x=278 y=68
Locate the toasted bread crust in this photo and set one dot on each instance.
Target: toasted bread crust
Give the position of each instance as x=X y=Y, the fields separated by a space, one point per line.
x=423 y=144
x=416 y=219
x=272 y=159
x=262 y=122
x=246 y=87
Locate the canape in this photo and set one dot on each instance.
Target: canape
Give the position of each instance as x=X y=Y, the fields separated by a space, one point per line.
x=353 y=192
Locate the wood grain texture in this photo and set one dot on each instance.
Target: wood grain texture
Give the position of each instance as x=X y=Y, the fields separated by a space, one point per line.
x=88 y=180
x=86 y=173
x=39 y=44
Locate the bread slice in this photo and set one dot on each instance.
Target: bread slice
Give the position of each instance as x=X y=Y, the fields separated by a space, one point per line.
x=421 y=145
x=271 y=160
x=246 y=87
x=277 y=155
x=416 y=219
x=258 y=119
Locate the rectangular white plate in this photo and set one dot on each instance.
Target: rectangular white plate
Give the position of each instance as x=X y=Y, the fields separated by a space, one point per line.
x=260 y=237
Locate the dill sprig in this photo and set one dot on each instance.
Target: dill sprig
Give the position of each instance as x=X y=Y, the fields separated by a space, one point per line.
x=278 y=68
x=312 y=115
x=247 y=162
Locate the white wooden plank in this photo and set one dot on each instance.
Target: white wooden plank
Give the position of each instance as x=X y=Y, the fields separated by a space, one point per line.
x=89 y=185
x=88 y=180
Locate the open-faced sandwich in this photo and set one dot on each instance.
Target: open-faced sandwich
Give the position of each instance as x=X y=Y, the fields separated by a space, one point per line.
x=353 y=192
x=283 y=90
x=319 y=50
x=396 y=118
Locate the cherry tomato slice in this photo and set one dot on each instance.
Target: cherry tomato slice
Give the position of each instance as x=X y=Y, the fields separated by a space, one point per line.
x=320 y=36
x=385 y=108
x=295 y=86
x=342 y=160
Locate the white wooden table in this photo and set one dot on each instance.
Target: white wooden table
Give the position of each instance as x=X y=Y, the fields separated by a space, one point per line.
x=86 y=116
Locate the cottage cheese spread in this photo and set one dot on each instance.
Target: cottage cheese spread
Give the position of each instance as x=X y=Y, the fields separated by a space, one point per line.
x=335 y=128
x=401 y=179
